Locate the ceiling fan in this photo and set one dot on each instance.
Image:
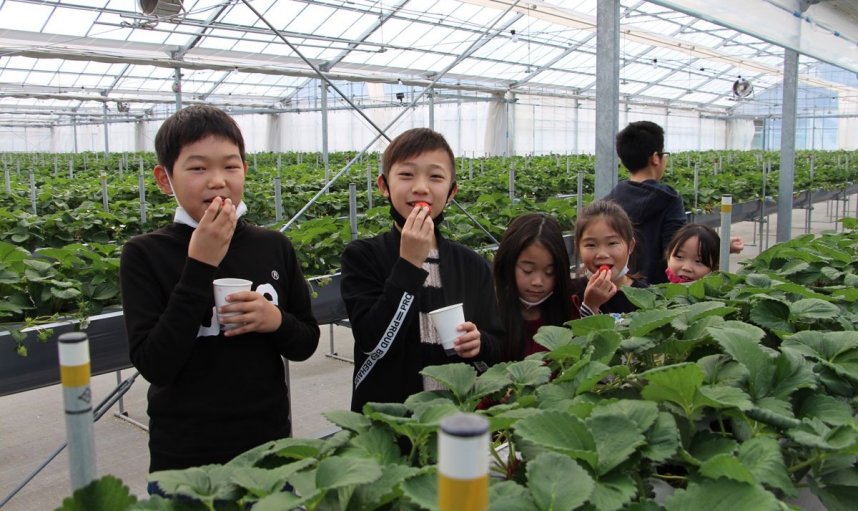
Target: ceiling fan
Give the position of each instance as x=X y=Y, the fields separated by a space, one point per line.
x=742 y=88
x=160 y=8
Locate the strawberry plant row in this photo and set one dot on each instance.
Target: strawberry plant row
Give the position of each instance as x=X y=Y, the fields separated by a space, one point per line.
x=733 y=392
x=70 y=215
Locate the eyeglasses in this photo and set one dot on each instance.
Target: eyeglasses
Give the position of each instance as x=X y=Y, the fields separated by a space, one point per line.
x=663 y=154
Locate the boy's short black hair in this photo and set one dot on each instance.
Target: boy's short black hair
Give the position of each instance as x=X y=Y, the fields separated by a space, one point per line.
x=193 y=124
x=413 y=142
x=636 y=143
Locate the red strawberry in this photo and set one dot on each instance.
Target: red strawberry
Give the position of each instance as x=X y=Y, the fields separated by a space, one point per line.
x=604 y=267
x=421 y=204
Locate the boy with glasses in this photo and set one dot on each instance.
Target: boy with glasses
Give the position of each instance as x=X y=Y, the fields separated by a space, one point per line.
x=656 y=209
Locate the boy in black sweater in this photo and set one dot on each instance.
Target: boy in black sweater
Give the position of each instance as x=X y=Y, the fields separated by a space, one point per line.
x=214 y=393
x=390 y=282
x=655 y=209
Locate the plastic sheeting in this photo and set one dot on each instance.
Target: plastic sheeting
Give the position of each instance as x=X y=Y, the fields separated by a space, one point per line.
x=740 y=134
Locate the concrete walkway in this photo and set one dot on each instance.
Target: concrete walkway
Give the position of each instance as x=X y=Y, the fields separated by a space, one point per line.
x=32 y=423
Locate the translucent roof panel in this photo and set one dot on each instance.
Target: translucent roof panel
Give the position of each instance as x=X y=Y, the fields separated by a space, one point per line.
x=76 y=55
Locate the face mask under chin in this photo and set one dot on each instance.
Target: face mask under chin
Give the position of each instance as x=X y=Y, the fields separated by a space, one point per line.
x=530 y=305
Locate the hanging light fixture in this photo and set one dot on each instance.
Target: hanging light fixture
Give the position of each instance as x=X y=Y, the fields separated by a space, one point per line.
x=742 y=88
x=160 y=8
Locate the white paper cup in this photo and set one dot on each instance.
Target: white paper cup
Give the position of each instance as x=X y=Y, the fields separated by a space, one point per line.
x=445 y=320
x=224 y=288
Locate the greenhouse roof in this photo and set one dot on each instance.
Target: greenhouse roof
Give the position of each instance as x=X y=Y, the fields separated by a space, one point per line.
x=59 y=59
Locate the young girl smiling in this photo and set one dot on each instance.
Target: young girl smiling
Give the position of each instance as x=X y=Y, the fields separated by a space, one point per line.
x=604 y=238
x=531 y=274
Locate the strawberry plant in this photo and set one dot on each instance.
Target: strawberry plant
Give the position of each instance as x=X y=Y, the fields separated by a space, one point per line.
x=733 y=392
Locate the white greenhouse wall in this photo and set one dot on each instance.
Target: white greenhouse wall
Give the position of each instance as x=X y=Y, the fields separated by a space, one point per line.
x=536 y=125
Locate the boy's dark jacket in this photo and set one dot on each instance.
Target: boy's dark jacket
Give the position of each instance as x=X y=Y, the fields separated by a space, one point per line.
x=384 y=293
x=657 y=212
x=211 y=397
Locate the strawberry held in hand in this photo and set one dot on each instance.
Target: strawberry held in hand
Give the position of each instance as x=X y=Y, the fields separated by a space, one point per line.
x=422 y=204
x=604 y=267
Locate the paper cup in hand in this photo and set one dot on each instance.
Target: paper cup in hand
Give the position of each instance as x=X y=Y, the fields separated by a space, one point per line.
x=446 y=320
x=224 y=288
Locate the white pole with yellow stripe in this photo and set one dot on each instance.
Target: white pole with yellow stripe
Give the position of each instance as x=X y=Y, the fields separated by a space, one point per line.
x=77 y=397
x=726 y=221
x=463 y=463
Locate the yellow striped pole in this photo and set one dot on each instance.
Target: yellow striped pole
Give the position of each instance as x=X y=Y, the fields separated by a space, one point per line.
x=463 y=463
x=77 y=397
x=726 y=221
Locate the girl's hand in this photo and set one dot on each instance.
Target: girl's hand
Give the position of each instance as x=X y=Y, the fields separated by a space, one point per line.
x=468 y=344
x=211 y=238
x=736 y=245
x=418 y=236
x=256 y=314
x=599 y=289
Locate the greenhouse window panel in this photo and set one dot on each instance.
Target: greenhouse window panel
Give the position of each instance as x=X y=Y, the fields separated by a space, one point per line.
x=68 y=22
x=24 y=15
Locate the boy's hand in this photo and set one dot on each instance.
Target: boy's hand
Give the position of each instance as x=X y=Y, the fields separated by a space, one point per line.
x=468 y=344
x=599 y=289
x=211 y=238
x=418 y=236
x=256 y=314
x=736 y=245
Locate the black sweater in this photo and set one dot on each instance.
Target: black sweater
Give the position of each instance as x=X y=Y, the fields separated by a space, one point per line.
x=384 y=294
x=657 y=212
x=211 y=397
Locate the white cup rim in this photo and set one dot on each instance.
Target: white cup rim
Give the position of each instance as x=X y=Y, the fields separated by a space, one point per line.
x=445 y=309
x=232 y=282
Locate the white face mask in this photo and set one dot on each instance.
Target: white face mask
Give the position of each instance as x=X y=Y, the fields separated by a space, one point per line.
x=530 y=305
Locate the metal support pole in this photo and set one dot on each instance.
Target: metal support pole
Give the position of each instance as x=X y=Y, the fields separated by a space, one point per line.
x=71 y=168
x=763 y=207
x=766 y=222
x=369 y=183
x=696 y=189
x=325 y=129
x=104 y=199
x=77 y=396
x=7 y=180
x=177 y=87
x=141 y=191
x=121 y=400
x=809 y=211
x=787 y=168
x=33 y=191
x=353 y=210
x=106 y=134
x=278 y=199
x=608 y=92
x=431 y=95
x=74 y=133
x=726 y=222
x=512 y=180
